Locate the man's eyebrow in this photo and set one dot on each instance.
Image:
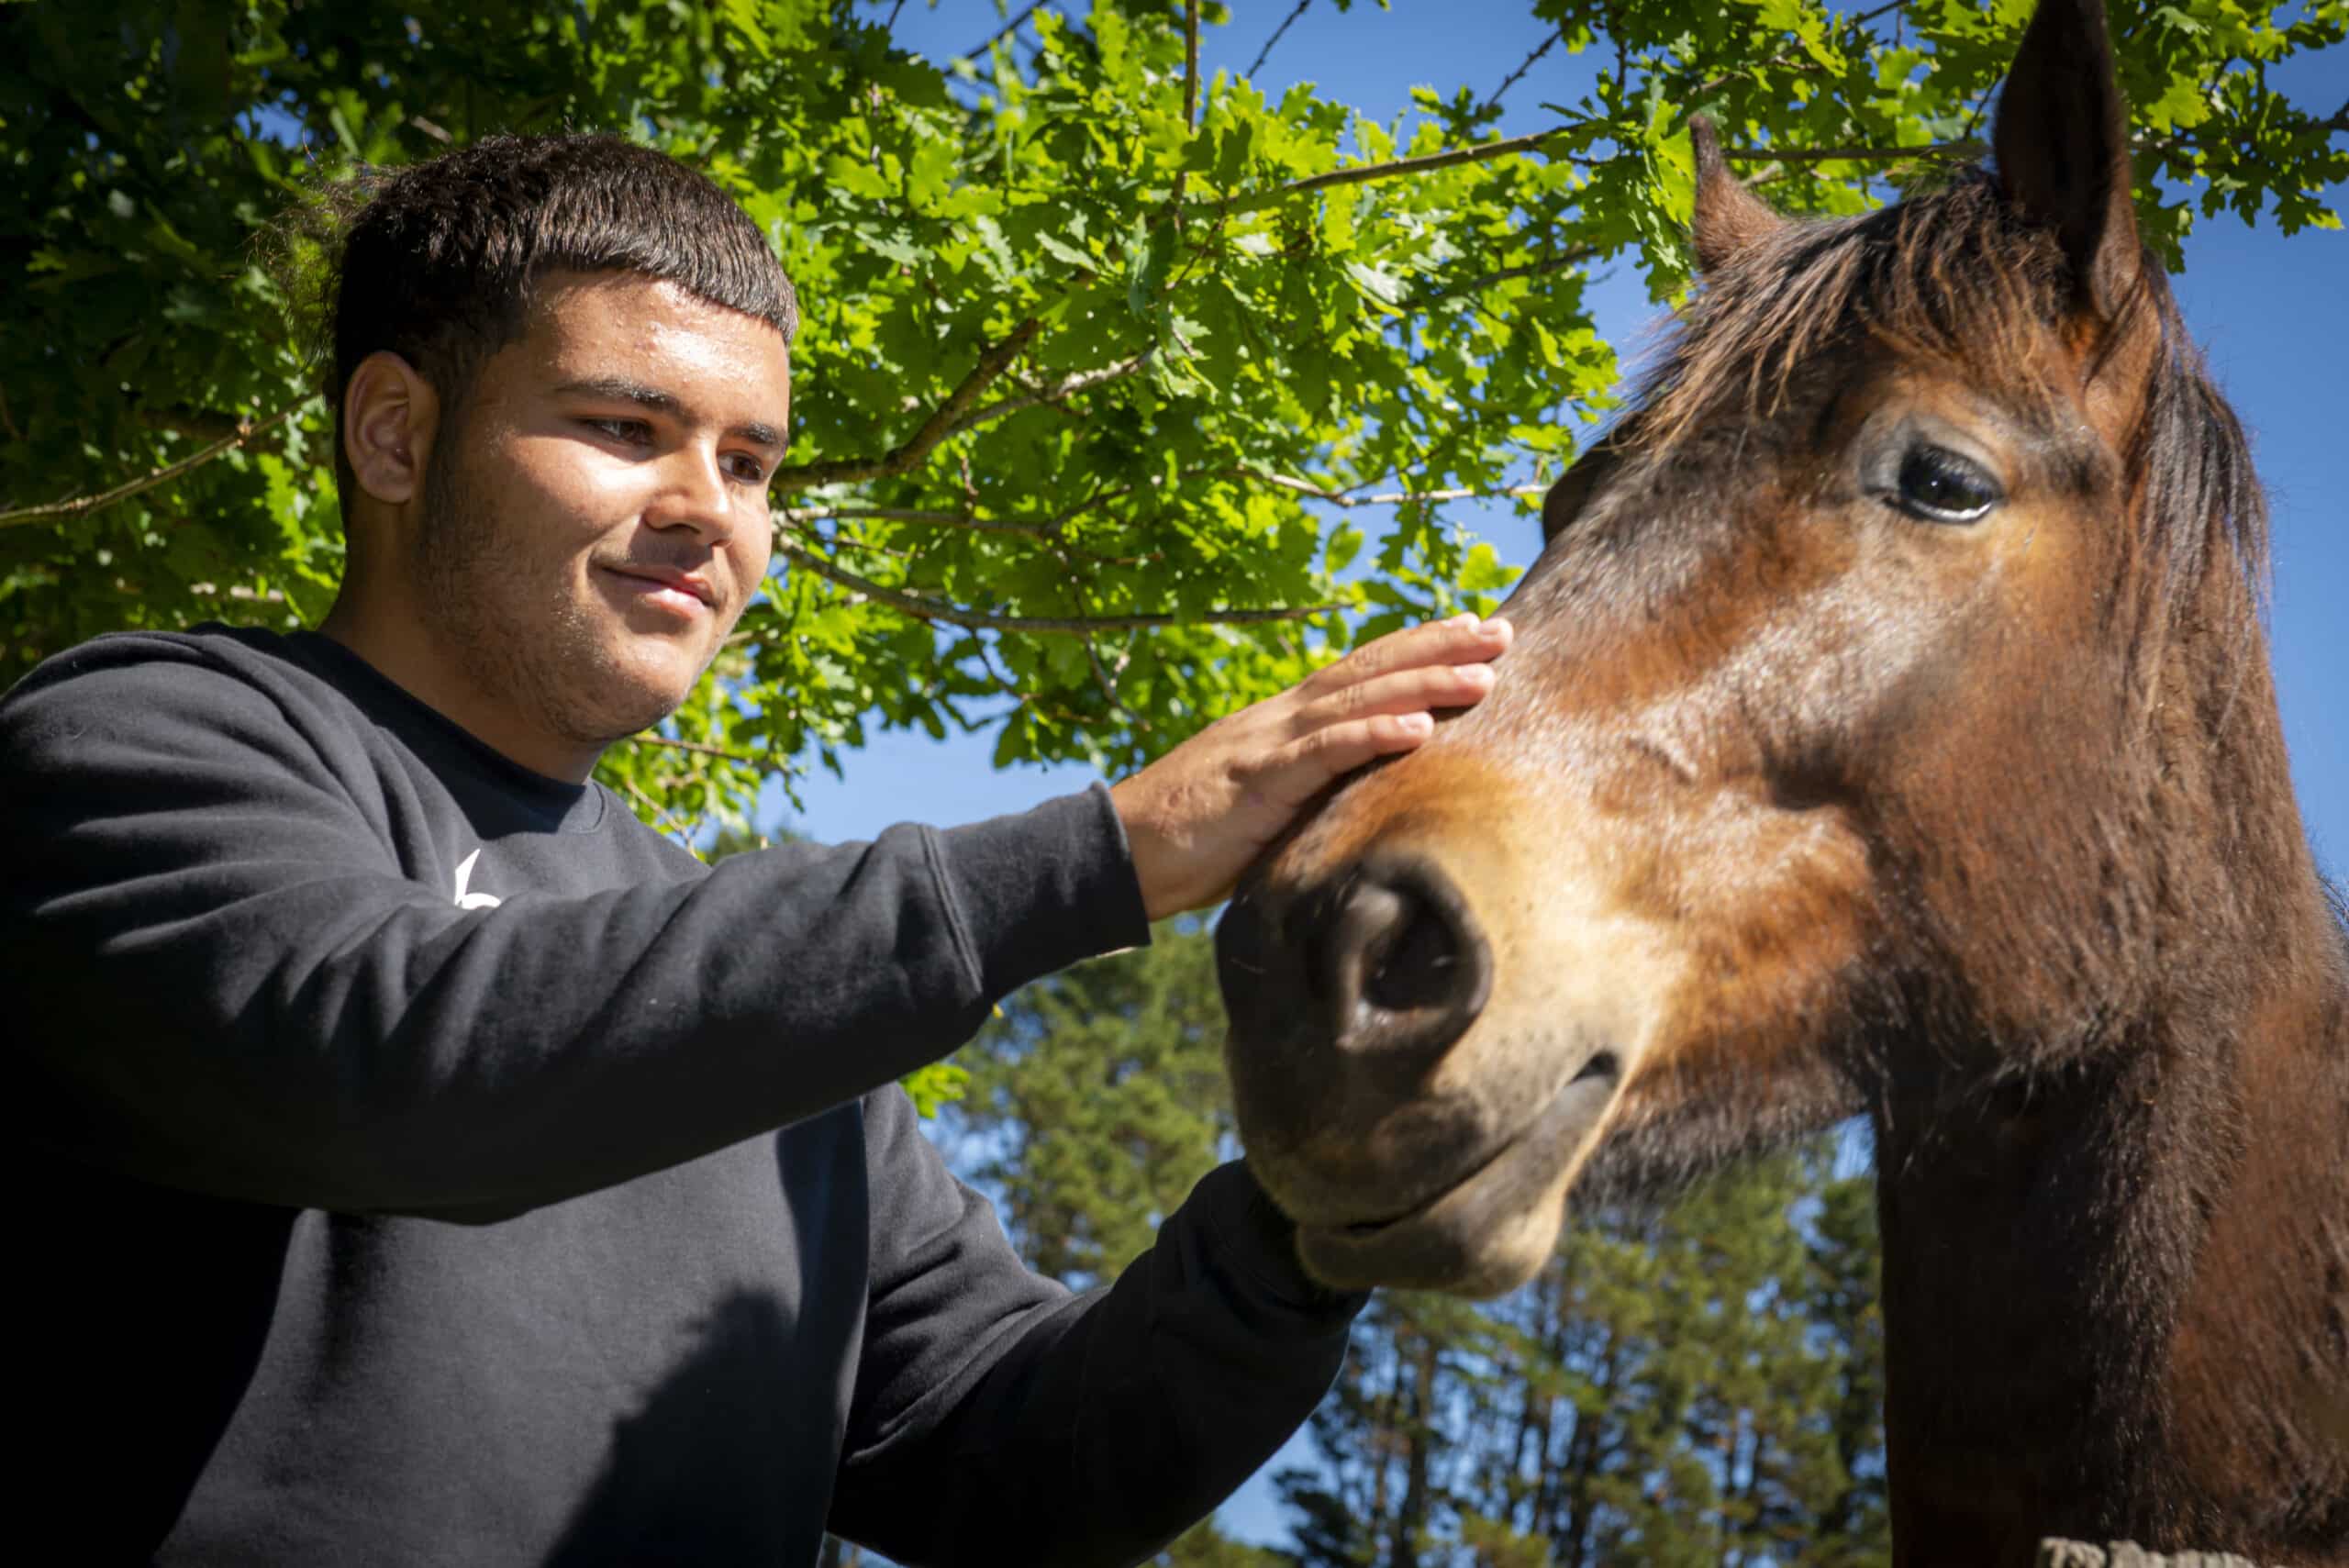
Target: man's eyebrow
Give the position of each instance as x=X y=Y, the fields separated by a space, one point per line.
x=620 y=389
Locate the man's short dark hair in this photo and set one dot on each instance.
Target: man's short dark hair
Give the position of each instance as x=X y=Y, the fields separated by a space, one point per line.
x=439 y=264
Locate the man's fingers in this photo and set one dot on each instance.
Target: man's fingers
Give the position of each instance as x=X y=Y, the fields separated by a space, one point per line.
x=1464 y=638
x=1302 y=767
x=1402 y=691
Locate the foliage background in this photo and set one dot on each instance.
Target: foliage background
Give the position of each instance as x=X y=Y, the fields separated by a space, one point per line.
x=1697 y=1385
x=1102 y=352
x=1053 y=540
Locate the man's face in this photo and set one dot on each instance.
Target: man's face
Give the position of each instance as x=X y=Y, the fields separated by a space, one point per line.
x=594 y=515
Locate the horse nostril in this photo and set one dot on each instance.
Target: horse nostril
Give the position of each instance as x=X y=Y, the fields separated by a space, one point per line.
x=1400 y=961
x=1414 y=963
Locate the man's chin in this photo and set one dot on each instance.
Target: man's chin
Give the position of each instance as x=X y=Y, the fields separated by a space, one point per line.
x=630 y=700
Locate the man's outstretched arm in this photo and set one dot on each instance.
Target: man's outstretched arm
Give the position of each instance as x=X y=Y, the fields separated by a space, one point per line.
x=999 y=1420
x=228 y=984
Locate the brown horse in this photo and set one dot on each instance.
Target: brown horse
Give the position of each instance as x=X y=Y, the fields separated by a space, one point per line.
x=1889 y=731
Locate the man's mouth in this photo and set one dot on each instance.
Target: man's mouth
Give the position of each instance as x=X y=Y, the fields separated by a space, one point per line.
x=687 y=593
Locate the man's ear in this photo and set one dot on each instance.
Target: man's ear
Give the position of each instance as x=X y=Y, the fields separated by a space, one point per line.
x=1729 y=218
x=390 y=414
x=2061 y=144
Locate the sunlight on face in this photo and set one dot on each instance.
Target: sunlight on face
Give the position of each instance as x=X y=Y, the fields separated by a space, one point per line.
x=597 y=519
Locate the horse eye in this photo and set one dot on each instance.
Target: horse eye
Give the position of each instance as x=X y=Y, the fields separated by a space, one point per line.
x=1943 y=487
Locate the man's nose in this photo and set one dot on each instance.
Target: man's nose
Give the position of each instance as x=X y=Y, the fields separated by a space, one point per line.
x=695 y=495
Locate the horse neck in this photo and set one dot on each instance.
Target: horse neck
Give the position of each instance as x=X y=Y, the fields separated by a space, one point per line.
x=2116 y=1292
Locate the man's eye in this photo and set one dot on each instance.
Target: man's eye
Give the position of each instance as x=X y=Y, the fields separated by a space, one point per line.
x=633 y=431
x=1943 y=487
x=750 y=471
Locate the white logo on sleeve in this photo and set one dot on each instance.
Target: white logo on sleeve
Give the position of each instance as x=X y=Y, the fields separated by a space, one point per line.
x=472 y=900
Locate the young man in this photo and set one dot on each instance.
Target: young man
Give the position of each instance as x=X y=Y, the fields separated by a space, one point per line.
x=399 y=1118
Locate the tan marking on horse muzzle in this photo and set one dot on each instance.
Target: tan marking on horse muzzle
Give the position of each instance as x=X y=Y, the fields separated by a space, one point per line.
x=1434 y=1145
x=1619 y=920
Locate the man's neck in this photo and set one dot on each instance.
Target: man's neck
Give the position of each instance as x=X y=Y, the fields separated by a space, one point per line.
x=399 y=647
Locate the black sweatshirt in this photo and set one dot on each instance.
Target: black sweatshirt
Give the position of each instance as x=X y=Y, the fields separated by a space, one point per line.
x=398 y=1179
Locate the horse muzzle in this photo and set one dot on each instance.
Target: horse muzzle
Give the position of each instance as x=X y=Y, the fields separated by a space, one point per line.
x=1411 y=1147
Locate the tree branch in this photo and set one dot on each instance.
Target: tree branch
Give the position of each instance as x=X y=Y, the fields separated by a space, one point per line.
x=1574 y=256
x=1364 y=173
x=82 y=507
x=1191 y=65
x=1054 y=392
x=197 y=424
x=915 y=515
x=1853 y=154
x=927 y=609
x=943 y=421
x=693 y=746
x=1266 y=52
x=1395 y=498
x=1001 y=33
x=1190 y=105
x=683 y=833
x=1706 y=89
x=1109 y=685
x=1511 y=79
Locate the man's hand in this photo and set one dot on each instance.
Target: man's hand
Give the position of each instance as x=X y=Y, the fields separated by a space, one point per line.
x=1196 y=817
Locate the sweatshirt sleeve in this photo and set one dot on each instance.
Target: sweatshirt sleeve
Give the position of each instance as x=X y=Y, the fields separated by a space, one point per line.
x=997 y=1416
x=225 y=983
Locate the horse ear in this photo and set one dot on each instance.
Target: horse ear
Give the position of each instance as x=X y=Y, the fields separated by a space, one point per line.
x=1571 y=490
x=1729 y=218
x=2062 y=145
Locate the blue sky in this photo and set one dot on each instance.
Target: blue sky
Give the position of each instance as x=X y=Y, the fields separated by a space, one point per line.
x=2271 y=315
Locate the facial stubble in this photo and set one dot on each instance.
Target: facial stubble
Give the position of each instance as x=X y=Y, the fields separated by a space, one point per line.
x=522 y=641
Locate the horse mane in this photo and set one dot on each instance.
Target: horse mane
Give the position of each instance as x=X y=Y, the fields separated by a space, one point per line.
x=1951 y=275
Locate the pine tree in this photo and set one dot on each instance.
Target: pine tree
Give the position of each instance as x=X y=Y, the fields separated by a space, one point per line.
x=1097 y=1098
x=1696 y=1384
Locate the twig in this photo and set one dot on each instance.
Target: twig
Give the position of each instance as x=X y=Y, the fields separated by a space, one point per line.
x=693 y=746
x=1190 y=106
x=1574 y=256
x=1110 y=687
x=1068 y=386
x=1391 y=498
x=1397 y=168
x=1851 y=154
x=1511 y=79
x=1265 y=53
x=89 y=503
x=654 y=807
x=942 y=422
x=196 y=424
x=915 y=515
x=1191 y=64
x=981 y=620
x=1706 y=89
x=1295 y=486
x=1000 y=33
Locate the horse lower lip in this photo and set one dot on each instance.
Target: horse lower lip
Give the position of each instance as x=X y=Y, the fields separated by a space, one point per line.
x=1367 y=1228
x=1452 y=1221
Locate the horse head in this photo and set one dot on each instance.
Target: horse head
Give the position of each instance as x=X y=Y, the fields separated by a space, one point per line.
x=1851 y=670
